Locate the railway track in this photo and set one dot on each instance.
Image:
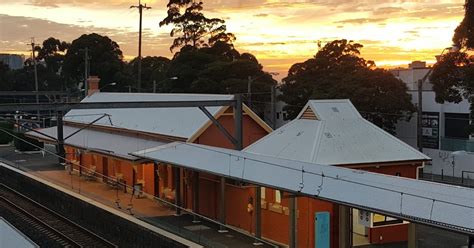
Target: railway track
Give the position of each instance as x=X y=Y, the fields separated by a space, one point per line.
x=43 y=226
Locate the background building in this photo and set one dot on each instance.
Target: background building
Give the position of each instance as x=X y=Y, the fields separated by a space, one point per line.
x=14 y=61
x=446 y=137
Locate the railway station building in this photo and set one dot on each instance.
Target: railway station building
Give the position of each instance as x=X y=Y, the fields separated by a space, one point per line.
x=101 y=142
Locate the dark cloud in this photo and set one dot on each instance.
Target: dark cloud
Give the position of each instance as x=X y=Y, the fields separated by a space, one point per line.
x=16 y=31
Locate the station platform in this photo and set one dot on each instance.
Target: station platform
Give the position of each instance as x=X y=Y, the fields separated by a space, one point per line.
x=146 y=209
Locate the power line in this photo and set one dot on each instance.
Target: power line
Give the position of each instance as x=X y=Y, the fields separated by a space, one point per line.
x=378 y=113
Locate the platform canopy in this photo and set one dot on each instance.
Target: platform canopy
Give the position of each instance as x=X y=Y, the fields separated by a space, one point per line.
x=445 y=206
x=104 y=142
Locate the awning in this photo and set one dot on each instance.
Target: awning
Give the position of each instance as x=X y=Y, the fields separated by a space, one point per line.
x=440 y=205
x=104 y=142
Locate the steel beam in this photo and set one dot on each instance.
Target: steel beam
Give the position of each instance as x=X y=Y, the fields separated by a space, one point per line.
x=222 y=207
x=177 y=189
x=219 y=125
x=344 y=227
x=195 y=195
x=293 y=223
x=258 y=214
x=86 y=126
x=238 y=122
x=412 y=242
x=107 y=105
x=61 y=152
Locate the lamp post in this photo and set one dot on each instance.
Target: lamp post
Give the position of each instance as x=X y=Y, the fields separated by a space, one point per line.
x=419 y=131
x=154 y=82
x=110 y=84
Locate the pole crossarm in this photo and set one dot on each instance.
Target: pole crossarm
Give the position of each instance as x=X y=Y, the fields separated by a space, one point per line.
x=219 y=125
x=109 y=105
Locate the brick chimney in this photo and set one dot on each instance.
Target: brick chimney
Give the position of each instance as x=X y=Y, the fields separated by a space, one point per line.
x=92 y=85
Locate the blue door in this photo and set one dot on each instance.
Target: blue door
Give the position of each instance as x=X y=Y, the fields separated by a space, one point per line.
x=322 y=230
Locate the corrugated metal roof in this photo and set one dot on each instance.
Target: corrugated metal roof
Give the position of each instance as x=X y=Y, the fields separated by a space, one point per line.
x=339 y=136
x=101 y=141
x=445 y=206
x=177 y=122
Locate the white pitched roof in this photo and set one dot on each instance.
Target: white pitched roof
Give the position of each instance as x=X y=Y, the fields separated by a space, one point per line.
x=338 y=136
x=106 y=142
x=177 y=122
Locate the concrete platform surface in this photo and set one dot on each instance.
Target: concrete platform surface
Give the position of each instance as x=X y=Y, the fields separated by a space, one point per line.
x=149 y=210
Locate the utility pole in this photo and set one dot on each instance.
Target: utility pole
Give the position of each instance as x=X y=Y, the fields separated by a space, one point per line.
x=86 y=70
x=140 y=8
x=36 y=74
x=249 y=91
x=419 y=130
x=273 y=107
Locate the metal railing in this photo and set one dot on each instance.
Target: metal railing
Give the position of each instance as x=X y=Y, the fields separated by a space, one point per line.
x=124 y=201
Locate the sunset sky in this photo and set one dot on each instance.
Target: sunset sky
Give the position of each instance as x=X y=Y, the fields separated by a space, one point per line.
x=278 y=32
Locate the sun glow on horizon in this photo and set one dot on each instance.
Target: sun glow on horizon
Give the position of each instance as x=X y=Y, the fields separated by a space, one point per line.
x=278 y=32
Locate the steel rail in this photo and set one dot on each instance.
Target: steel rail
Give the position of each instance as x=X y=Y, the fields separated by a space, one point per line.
x=56 y=215
x=36 y=219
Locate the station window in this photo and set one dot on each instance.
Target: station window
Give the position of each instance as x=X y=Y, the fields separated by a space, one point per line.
x=262 y=193
x=456 y=125
x=277 y=196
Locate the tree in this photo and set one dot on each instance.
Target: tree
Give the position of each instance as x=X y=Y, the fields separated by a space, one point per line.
x=105 y=59
x=52 y=53
x=464 y=33
x=453 y=74
x=5 y=77
x=154 y=69
x=337 y=71
x=218 y=69
x=191 y=27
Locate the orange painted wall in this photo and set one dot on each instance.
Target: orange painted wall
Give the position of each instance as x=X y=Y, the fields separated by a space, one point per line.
x=212 y=136
x=149 y=178
x=236 y=199
x=388 y=234
x=126 y=168
x=209 y=185
x=208 y=195
x=407 y=170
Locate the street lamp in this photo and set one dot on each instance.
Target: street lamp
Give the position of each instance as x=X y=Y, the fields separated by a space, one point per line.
x=154 y=82
x=419 y=132
x=111 y=84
